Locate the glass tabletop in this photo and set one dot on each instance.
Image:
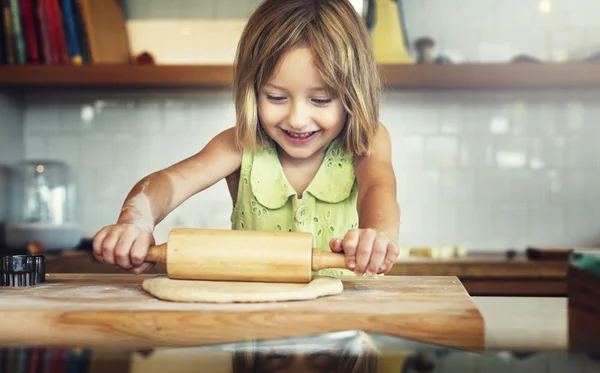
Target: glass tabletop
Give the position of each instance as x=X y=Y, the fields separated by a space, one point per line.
x=349 y=351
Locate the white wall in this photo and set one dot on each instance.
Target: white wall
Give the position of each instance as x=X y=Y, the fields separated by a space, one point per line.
x=485 y=169
x=488 y=30
x=11 y=146
x=11 y=128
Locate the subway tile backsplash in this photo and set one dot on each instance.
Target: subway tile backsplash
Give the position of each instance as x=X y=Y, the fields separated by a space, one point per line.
x=484 y=169
x=11 y=145
x=479 y=168
x=113 y=141
x=11 y=128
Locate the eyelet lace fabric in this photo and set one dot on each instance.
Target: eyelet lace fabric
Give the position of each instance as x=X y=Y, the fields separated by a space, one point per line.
x=266 y=200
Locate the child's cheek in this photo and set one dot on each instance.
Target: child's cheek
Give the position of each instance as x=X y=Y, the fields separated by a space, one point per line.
x=333 y=116
x=272 y=115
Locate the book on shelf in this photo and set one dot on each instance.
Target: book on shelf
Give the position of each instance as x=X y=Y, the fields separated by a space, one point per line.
x=63 y=32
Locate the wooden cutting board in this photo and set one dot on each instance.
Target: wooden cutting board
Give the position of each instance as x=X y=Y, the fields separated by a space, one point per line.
x=96 y=310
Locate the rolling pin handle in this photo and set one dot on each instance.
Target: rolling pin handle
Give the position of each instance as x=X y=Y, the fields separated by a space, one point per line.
x=323 y=260
x=157 y=254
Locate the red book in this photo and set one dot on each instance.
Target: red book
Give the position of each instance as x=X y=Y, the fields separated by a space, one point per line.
x=63 y=54
x=29 y=31
x=48 y=29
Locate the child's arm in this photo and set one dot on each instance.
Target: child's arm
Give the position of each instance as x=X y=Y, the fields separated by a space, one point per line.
x=373 y=246
x=126 y=243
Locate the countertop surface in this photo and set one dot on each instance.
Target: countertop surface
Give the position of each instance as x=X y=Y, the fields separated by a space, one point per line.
x=510 y=323
x=113 y=309
x=482 y=265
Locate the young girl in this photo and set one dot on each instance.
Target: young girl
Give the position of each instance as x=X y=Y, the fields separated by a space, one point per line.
x=307 y=152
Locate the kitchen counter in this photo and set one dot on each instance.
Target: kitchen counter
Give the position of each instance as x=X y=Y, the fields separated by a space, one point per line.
x=104 y=310
x=485 y=274
x=481 y=274
x=522 y=324
x=535 y=328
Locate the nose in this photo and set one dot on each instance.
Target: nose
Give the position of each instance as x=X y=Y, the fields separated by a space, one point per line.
x=299 y=116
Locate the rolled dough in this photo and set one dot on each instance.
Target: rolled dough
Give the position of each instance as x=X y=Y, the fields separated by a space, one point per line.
x=165 y=288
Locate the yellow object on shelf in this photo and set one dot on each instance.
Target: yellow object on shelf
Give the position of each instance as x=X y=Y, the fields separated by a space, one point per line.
x=387 y=35
x=433 y=252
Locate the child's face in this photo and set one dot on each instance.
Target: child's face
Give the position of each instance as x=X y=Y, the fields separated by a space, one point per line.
x=296 y=363
x=295 y=109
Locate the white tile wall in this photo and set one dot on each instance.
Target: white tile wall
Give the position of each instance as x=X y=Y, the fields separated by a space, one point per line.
x=11 y=129
x=483 y=169
x=115 y=140
x=484 y=185
x=11 y=145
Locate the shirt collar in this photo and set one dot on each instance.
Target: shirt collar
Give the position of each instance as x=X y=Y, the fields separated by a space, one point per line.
x=332 y=183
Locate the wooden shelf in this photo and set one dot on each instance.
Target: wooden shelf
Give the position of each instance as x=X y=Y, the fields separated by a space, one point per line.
x=493 y=76
x=462 y=76
x=115 y=76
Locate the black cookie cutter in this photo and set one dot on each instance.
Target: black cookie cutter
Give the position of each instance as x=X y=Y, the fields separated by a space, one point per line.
x=22 y=270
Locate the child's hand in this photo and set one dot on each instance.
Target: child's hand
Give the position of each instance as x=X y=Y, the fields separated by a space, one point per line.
x=124 y=245
x=367 y=251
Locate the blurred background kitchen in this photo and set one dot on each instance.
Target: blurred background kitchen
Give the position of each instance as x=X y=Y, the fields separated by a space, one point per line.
x=493 y=108
x=493 y=120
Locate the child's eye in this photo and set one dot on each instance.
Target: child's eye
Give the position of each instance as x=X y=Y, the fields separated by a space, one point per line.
x=271 y=361
x=321 y=101
x=275 y=98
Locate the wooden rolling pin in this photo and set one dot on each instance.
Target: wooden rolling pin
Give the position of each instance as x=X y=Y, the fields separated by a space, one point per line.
x=234 y=255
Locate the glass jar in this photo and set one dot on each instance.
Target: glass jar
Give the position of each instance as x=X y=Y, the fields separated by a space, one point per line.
x=43 y=206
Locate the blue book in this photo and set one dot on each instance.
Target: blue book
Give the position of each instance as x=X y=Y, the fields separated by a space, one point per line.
x=69 y=24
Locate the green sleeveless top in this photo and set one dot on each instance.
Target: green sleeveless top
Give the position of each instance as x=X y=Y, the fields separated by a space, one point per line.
x=266 y=201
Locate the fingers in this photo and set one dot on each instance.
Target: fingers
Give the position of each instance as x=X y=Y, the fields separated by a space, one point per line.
x=124 y=246
x=139 y=249
x=390 y=257
x=363 y=250
x=97 y=244
x=378 y=253
x=367 y=251
x=336 y=245
x=349 y=245
x=142 y=268
x=108 y=246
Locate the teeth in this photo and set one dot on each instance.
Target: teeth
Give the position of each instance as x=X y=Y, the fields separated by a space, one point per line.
x=299 y=135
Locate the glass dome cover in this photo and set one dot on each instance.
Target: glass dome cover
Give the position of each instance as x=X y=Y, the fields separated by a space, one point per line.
x=43 y=191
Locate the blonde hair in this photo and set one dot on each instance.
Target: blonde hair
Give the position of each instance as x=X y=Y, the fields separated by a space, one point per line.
x=345 y=360
x=341 y=46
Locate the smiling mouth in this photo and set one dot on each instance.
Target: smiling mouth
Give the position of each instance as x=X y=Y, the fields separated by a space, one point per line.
x=300 y=135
